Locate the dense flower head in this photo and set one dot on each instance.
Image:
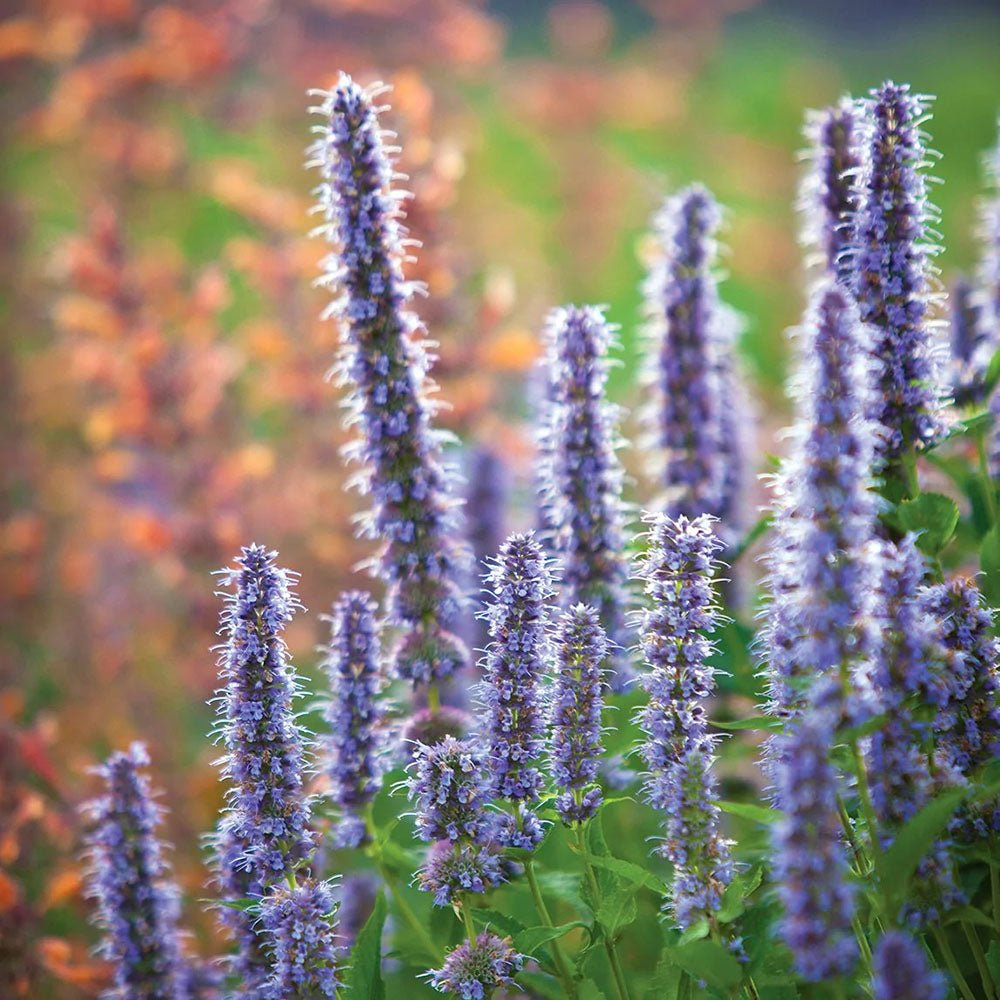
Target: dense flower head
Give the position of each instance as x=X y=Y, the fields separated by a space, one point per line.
x=264 y=759
x=300 y=924
x=810 y=865
x=474 y=971
x=137 y=905
x=580 y=472
x=384 y=363
x=829 y=191
x=575 y=748
x=520 y=587
x=353 y=741
x=892 y=268
x=453 y=868
x=901 y=971
x=447 y=784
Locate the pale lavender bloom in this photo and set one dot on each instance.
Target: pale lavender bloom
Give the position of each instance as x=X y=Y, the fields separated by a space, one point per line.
x=901 y=970
x=384 y=363
x=474 y=971
x=968 y=360
x=453 y=868
x=988 y=274
x=137 y=904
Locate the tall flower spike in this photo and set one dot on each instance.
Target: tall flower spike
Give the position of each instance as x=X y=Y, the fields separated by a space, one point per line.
x=989 y=268
x=137 y=905
x=829 y=195
x=475 y=971
x=300 y=925
x=809 y=861
x=353 y=715
x=384 y=363
x=581 y=474
x=674 y=629
x=901 y=971
x=968 y=356
x=581 y=647
x=521 y=587
x=893 y=274
x=264 y=759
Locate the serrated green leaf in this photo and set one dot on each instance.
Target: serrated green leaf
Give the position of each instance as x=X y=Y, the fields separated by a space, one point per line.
x=628 y=871
x=759 y=814
x=589 y=990
x=617 y=910
x=364 y=972
x=707 y=960
x=666 y=980
x=698 y=930
x=734 y=898
x=933 y=517
x=503 y=922
x=531 y=939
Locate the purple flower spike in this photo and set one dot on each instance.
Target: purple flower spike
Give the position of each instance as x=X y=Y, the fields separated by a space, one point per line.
x=581 y=647
x=901 y=971
x=353 y=714
x=453 y=868
x=892 y=269
x=830 y=189
x=989 y=269
x=674 y=629
x=809 y=861
x=969 y=351
x=521 y=587
x=384 y=363
x=264 y=760
x=475 y=971
x=137 y=905
x=447 y=787
x=581 y=474
x=300 y=925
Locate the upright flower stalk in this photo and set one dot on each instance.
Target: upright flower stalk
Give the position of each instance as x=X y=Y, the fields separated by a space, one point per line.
x=893 y=276
x=988 y=273
x=674 y=629
x=354 y=739
x=383 y=364
x=583 y=477
x=901 y=971
x=137 y=904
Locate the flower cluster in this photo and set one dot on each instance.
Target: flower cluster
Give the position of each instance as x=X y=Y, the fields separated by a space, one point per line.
x=581 y=646
x=677 y=573
x=453 y=868
x=385 y=363
x=137 y=905
x=353 y=714
x=901 y=971
x=892 y=270
x=300 y=926
x=474 y=971
x=581 y=475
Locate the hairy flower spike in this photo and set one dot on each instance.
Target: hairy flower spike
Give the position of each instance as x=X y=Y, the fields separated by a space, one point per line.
x=969 y=354
x=447 y=787
x=581 y=647
x=137 y=905
x=264 y=758
x=580 y=472
x=384 y=362
x=453 y=868
x=300 y=924
x=893 y=272
x=474 y=971
x=353 y=714
x=677 y=572
x=989 y=269
x=901 y=971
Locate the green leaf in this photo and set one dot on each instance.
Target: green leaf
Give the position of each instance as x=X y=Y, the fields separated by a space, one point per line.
x=734 y=898
x=989 y=559
x=617 y=910
x=666 y=981
x=698 y=930
x=531 y=939
x=993 y=960
x=364 y=973
x=933 y=517
x=542 y=985
x=502 y=922
x=758 y=723
x=969 y=915
x=632 y=873
x=759 y=814
x=589 y=990
x=992 y=372
x=709 y=961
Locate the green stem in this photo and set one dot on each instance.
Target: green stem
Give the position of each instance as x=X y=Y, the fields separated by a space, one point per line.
x=470 y=927
x=995 y=889
x=752 y=988
x=433 y=699
x=949 y=959
x=984 y=470
x=868 y=810
x=977 y=953
x=910 y=468
x=543 y=913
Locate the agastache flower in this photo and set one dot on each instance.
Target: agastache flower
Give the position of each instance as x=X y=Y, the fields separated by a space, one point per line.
x=988 y=274
x=137 y=904
x=384 y=363
x=581 y=474
x=901 y=970
x=892 y=269
x=809 y=860
x=300 y=924
x=520 y=588
x=267 y=809
x=575 y=748
x=677 y=571
x=968 y=363
x=829 y=195
x=475 y=971
x=353 y=715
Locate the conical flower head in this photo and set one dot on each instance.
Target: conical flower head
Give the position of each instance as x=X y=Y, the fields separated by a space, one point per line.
x=901 y=970
x=474 y=970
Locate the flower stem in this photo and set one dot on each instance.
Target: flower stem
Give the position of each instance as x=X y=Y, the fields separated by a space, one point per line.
x=868 y=810
x=543 y=913
x=949 y=959
x=984 y=471
x=470 y=927
x=977 y=953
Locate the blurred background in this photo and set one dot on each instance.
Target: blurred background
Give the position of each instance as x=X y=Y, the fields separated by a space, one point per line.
x=163 y=360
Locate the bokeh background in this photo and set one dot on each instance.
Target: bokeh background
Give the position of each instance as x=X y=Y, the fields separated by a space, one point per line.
x=163 y=397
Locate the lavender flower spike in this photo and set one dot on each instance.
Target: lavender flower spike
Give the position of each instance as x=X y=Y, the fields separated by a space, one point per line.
x=969 y=357
x=674 y=629
x=474 y=971
x=264 y=760
x=137 y=907
x=353 y=715
x=901 y=971
x=520 y=586
x=575 y=748
x=893 y=275
x=384 y=363
x=988 y=273
x=829 y=195
x=300 y=925
x=581 y=474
